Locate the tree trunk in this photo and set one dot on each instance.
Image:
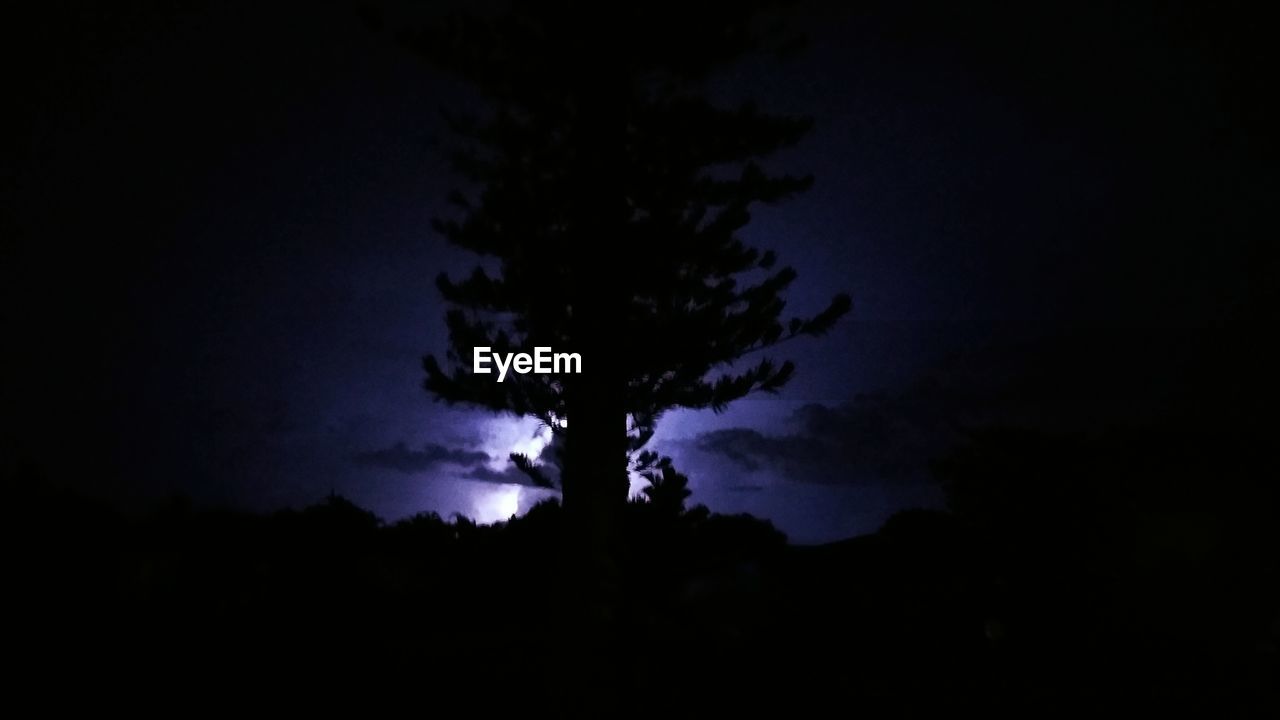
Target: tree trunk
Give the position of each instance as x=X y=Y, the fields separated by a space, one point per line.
x=594 y=480
x=595 y=473
x=595 y=485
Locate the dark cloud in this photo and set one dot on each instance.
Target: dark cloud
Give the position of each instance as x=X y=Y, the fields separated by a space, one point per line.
x=509 y=475
x=872 y=439
x=1070 y=382
x=399 y=457
x=472 y=465
x=751 y=449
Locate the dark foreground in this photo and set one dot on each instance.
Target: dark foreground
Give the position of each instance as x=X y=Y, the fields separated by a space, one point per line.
x=1028 y=599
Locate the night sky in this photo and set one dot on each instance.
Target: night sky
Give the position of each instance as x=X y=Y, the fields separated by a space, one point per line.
x=221 y=285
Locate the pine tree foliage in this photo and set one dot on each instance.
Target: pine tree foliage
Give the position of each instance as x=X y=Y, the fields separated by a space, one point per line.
x=697 y=308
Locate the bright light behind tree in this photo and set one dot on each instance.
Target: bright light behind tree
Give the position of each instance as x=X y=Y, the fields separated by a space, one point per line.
x=503 y=435
x=496 y=503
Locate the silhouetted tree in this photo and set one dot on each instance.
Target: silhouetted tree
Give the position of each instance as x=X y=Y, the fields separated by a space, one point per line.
x=607 y=193
x=668 y=488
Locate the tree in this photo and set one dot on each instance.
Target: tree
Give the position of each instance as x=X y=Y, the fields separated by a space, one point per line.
x=606 y=194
